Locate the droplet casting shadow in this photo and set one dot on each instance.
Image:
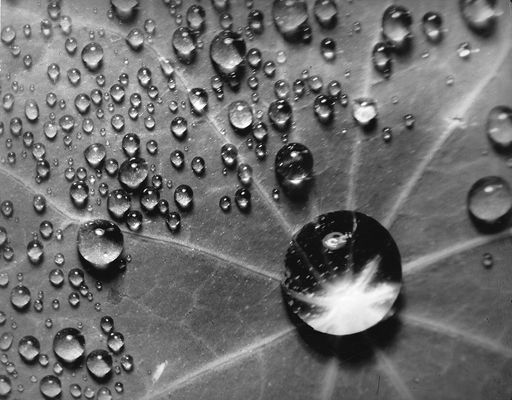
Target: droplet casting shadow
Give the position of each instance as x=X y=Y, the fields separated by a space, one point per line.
x=353 y=349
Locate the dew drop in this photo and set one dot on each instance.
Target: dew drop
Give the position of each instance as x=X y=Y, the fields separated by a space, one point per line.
x=133 y=173
x=50 y=387
x=479 y=15
x=291 y=19
x=185 y=45
x=227 y=54
x=183 y=197
x=240 y=116
x=92 y=56
x=294 y=169
x=69 y=345
x=396 y=28
x=432 y=26
x=499 y=128
x=100 y=243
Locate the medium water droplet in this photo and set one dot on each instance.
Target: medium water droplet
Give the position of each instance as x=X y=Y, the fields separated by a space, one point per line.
x=240 y=116
x=79 y=193
x=489 y=202
x=227 y=54
x=133 y=173
x=135 y=39
x=29 y=348
x=381 y=57
x=326 y=13
x=324 y=109
x=479 y=15
x=183 y=197
x=432 y=25
x=184 y=44
x=100 y=243
x=243 y=199
x=92 y=56
x=291 y=19
x=499 y=128
x=198 y=98
x=364 y=111
x=50 y=387
x=396 y=28
x=95 y=154
x=294 y=169
x=280 y=114
x=125 y=9
x=20 y=297
x=69 y=345
x=31 y=110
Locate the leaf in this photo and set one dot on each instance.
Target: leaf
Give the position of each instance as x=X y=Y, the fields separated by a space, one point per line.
x=202 y=311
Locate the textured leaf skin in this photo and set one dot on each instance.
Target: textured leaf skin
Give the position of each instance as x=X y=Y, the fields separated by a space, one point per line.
x=202 y=311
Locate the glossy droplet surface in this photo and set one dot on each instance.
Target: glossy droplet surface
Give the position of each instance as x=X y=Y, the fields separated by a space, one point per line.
x=20 y=297
x=432 y=26
x=479 y=15
x=92 y=56
x=100 y=243
x=227 y=54
x=499 y=128
x=29 y=348
x=489 y=202
x=133 y=173
x=326 y=13
x=381 y=58
x=240 y=115
x=99 y=364
x=294 y=168
x=343 y=273
x=184 y=45
x=95 y=154
x=396 y=27
x=280 y=114
x=69 y=345
x=364 y=111
x=183 y=197
x=50 y=387
x=198 y=98
x=291 y=19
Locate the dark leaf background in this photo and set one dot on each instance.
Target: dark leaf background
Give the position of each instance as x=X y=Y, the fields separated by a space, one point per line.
x=201 y=310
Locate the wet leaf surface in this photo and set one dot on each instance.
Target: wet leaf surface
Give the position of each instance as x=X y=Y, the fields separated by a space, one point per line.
x=202 y=311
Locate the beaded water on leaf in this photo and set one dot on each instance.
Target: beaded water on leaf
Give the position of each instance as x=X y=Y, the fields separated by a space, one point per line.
x=343 y=273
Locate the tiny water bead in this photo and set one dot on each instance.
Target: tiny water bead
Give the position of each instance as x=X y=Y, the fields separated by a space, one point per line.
x=487 y=260
x=499 y=128
x=294 y=169
x=69 y=345
x=489 y=202
x=343 y=273
x=100 y=243
x=396 y=28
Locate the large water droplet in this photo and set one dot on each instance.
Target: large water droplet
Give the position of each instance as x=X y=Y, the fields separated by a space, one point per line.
x=489 y=203
x=100 y=243
x=227 y=53
x=294 y=169
x=343 y=273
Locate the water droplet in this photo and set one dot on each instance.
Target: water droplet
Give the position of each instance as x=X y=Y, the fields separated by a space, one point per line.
x=100 y=243
x=115 y=342
x=479 y=15
x=135 y=39
x=343 y=273
x=127 y=362
x=29 y=348
x=183 y=197
x=92 y=56
x=125 y=10
x=95 y=154
x=291 y=19
x=20 y=297
x=294 y=169
x=489 y=202
x=229 y=154
x=69 y=345
x=255 y=20
x=243 y=199
x=396 y=28
x=8 y=34
x=179 y=128
x=133 y=173
x=79 y=193
x=381 y=57
x=328 y=49
x=464 y=50
x=35 y=251
x=53 y=72
x=198 y=98
x=487 y=260
x=240 y=116
x=499 y=128
x=432 y=25
x=50 y=387
x=99 y=364
x=364 y=111
x=326 y=13
x=324 y=109
x=196 y=17
x=5 y=386
x=280 y=114
x=31 y=110
x=227 y=54
x=185 y=45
